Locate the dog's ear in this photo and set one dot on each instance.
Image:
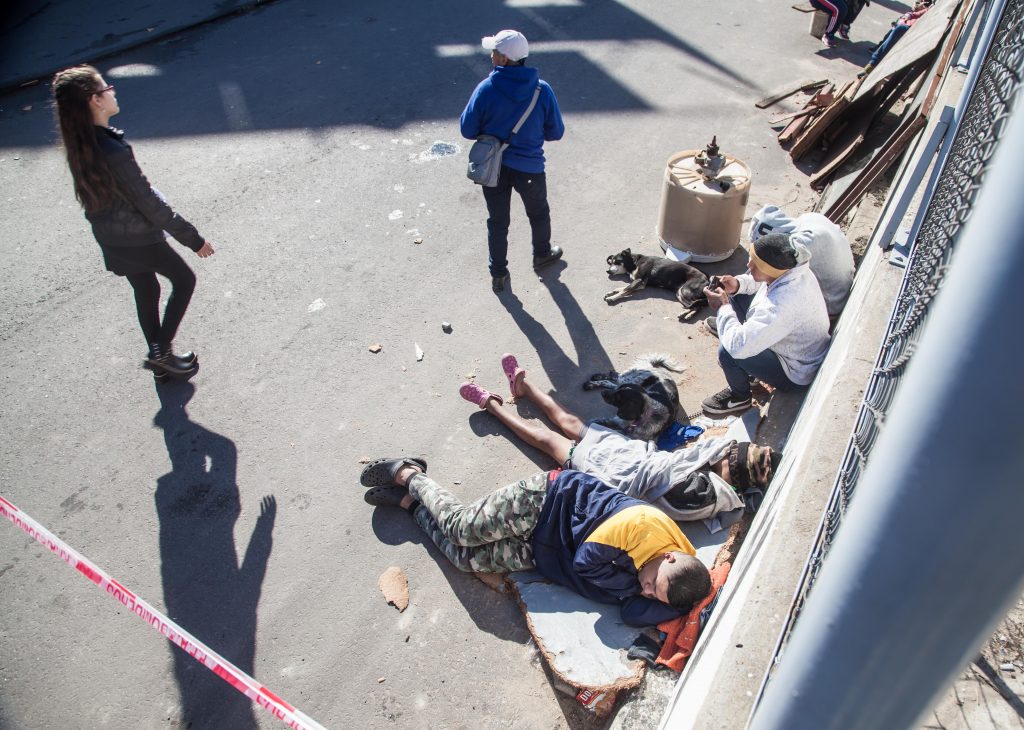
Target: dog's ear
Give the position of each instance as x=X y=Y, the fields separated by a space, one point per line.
x=627 y=252
x=629 y=402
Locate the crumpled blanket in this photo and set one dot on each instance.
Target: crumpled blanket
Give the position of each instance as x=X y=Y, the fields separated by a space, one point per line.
x=682 y=632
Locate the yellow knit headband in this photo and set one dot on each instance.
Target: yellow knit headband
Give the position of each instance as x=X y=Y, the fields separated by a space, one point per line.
x=763 y=267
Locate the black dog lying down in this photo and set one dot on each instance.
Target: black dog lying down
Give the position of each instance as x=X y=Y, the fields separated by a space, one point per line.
x=645 y=396
x=687 y=282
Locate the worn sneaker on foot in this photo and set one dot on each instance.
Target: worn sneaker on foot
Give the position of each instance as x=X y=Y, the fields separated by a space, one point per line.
x=828 y=41
x=712 y=324
x=844 y=32
x=550 y=257
x=725 y=402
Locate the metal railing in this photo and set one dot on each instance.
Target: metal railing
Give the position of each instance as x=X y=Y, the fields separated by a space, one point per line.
x=979 y=144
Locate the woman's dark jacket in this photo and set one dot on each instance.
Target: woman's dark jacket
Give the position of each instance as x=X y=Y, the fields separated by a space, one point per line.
x=138 y=216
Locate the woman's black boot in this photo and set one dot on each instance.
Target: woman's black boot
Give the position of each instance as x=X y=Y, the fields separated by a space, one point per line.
x=162 y=359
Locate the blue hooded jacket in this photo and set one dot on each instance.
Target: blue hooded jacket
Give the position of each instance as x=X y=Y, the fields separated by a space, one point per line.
x=576 y=505
x=497 y=104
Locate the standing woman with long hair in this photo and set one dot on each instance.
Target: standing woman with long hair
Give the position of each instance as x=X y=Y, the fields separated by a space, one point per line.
x=128 y=216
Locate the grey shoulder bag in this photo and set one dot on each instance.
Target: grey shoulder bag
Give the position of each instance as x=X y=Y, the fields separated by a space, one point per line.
x=485 y=154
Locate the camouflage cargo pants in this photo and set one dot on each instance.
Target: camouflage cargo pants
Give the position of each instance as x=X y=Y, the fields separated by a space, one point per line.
x=490 y=535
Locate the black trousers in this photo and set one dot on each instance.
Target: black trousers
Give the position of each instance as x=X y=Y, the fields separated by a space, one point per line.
x=533 y=189
x=172 y=267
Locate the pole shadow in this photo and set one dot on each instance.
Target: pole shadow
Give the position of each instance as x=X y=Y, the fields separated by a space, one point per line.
x=205 y=589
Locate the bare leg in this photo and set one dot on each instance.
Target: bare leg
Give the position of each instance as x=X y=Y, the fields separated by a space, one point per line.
x=553 y=444
x=568 y=423
x=402 y=479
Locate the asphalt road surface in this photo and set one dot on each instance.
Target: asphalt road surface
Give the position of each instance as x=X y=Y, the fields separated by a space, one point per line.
x=316 y=145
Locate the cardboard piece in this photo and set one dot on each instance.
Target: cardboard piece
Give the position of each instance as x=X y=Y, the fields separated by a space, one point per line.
x=585 y=643
x=395 y=587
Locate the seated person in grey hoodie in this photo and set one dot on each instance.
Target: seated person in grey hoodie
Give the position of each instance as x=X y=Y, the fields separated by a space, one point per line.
x=771 y=322
x=831 y=257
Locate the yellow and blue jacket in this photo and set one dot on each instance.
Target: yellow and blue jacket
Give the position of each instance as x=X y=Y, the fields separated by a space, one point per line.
x=594 y=539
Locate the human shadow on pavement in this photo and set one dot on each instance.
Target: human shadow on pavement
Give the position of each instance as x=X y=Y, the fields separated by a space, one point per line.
x=205 y=589
x=566 y=371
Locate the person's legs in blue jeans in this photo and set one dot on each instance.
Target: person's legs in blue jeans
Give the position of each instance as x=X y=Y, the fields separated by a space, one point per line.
x=533 y=189
x=764 y=366
x=887 y=43
x=499 y=203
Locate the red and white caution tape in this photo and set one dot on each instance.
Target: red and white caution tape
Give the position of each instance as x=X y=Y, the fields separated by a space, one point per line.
x=224 y=669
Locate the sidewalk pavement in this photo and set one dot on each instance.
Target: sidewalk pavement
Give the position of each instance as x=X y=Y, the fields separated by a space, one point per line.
x=39 y=41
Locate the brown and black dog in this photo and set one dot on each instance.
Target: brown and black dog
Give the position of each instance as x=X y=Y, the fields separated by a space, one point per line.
x=687 y=282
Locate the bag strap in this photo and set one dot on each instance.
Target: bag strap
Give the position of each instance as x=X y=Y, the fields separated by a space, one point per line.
x=522 y=119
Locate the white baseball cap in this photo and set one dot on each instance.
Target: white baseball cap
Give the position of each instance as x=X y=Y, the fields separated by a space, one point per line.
x=510 y=43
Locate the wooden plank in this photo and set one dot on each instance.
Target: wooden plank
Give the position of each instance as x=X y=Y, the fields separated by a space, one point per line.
x=804 y=8
x=878 y=165
x=817 y=128
x=796 y=126
x=942 y=66
x=840 y=154
x=787 y=117
x=788 y=90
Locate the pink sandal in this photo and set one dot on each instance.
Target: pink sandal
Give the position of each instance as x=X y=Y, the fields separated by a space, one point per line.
x=477 y=395
x=513 y=372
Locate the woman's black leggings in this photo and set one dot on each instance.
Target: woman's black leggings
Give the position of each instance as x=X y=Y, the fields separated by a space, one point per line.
x=147 y=297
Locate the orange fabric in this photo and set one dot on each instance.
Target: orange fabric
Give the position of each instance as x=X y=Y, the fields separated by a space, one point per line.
x=683 y=631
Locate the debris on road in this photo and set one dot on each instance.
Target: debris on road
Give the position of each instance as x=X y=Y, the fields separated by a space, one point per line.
x=376 y=347
x=446 y=327
x=419 y=352
x=789 y=90
x=395 y=587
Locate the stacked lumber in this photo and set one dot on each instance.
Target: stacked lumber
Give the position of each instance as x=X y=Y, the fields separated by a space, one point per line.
x=872 y=119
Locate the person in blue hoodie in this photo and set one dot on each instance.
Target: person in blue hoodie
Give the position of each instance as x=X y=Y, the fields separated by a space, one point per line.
x=495 y=107
x=570 y=527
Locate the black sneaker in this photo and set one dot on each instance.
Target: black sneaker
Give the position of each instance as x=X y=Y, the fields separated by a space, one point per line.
x=712 y=324
x=724 y=402
x=539 y=262
x=498 y=283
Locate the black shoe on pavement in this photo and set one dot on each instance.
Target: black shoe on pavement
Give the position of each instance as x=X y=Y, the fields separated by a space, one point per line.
x=724 y=402
x=498 y=283
x=162 y=359
x=383 y=472
x=539 y=262
x=712 y=324
x=188 y=358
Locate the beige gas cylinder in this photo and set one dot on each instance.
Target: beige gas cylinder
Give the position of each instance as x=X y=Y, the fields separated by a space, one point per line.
x=702 y=204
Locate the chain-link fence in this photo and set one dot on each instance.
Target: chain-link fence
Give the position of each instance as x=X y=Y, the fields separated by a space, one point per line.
x=962 y=175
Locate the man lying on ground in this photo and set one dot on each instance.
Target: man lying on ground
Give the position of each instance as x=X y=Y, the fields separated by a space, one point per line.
x=771 y=322
x=568 y=526
x=694 y=483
